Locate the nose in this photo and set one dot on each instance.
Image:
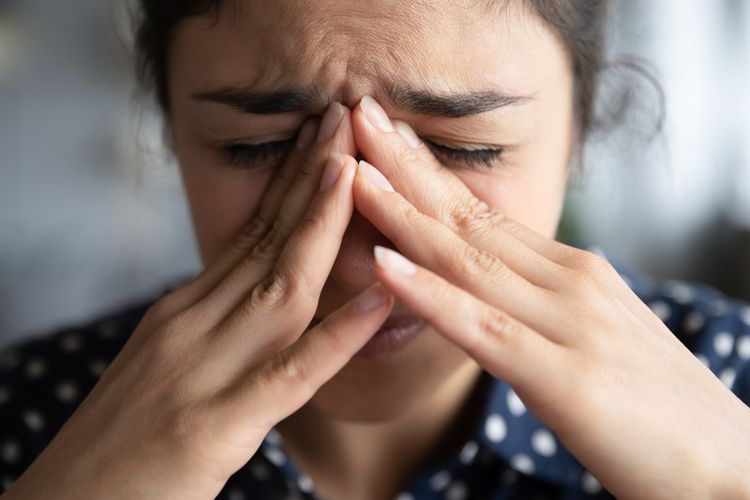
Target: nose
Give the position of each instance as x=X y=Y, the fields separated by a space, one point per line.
x=353 y=269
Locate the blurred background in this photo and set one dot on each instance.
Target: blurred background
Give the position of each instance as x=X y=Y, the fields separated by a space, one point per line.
x=92 y=216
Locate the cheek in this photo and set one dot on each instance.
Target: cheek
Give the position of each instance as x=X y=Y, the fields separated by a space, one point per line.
x=528 y=194
x=222 y=202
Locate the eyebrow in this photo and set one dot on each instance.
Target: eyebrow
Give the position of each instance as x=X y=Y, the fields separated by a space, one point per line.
x=450 y=105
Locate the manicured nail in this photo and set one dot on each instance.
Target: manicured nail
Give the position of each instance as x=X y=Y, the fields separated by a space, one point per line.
x=376 y=114
x=374 y=175
x=407 y=133
x=371 y=299
x=394 y=261
x=330 y=121
x=332 y=170
x=306 y=134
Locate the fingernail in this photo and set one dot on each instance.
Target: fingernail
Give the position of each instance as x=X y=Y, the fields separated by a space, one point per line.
x=376 y=114
x=306 y=134
x=394 y=261
x=407 y=133
x=373 y=175
x=371 y=299
x=332 y=170
x=330 y=121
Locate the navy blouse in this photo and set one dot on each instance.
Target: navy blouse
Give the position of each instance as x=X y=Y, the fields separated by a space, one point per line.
x=511 y=454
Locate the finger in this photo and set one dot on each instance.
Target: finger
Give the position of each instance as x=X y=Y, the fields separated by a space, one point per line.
x=434 y=246
x=396 y=151
x=391 y=146
x=288 y=380
x=335 y=130
x=280 y=306
x=249 y=236
x=502 y=345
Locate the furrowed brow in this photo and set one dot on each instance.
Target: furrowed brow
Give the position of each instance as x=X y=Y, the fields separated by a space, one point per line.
x=257 y=102
x=453 y=105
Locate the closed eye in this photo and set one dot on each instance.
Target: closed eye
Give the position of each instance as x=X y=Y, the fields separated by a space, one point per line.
x=248 y=156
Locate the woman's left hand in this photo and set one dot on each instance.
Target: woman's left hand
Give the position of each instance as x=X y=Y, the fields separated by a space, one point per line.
x=558 y=324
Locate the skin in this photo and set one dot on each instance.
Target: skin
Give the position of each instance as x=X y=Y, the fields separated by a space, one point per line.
x=350 y=49
x=518 y=291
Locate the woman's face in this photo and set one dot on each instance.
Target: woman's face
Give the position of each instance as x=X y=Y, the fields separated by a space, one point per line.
x=342 y=51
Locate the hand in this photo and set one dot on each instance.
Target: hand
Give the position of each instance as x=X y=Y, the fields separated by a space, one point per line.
x=583 y=353
x=215 y=364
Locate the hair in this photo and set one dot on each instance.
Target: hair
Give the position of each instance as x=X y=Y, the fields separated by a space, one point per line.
x=581 y=24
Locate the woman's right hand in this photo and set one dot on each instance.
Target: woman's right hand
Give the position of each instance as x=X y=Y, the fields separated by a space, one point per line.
x=215 y=364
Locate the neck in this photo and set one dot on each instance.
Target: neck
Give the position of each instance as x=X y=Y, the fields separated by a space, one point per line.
x=375 y=460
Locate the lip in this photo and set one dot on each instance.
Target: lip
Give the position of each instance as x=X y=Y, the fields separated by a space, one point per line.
x=392 y=336
x=396 y=332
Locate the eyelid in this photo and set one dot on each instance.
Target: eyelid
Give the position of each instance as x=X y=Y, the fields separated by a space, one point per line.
x=463 y=146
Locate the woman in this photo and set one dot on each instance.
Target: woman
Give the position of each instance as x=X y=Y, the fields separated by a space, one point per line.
x=402 y=327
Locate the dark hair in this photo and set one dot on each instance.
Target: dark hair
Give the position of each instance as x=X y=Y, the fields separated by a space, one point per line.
x=580 y=23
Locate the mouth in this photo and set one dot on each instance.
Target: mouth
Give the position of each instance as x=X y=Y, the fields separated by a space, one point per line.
x=394 y=334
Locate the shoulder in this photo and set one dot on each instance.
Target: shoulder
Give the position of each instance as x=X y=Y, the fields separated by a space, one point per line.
x=714 y=326
x=43 y=380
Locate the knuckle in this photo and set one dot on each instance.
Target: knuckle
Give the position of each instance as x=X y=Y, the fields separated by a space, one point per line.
x=580 y=284
x=474 y=216
x=252 y=233
x=314 y=222
x=590 y=264
x=166 y=307
x=495 y=324
x=276 y=290
x=270 y=244
x=476 y=262
x=293 y=374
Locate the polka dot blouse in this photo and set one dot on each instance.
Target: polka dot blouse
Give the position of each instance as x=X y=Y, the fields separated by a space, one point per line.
x=511 y=454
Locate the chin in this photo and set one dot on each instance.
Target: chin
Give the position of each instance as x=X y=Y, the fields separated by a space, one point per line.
x=369 y=391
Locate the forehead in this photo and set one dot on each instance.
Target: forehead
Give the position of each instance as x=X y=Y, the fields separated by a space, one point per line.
x=345 y=48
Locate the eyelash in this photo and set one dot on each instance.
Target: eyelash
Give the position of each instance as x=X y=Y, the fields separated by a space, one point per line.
x=242 y=155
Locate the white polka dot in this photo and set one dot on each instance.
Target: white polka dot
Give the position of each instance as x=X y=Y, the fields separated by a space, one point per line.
x=522 y=463
x=661 y=309
x=703 y=359
x=10 y=451
x=260 y=470
x=727 y=376
x=66 y=391
x=543 y=442
x=5 y=394
x=7 y=481
x=743 y=347
x=745 y=315
x=404 y=495
x=718 y=307
x=71 y=342
x=97 y=367
x=680 y=292
x=236 y=494
x=515 y=405
x=440 y=480
x=273 y=437
x=495 y=428
x=35 y=368
x=723 y=343
x=456 y=491
x=305 y=483
x=275 y=456
x=468 y=452
x=33 y=420
x=590 y=484
x=694 y=321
